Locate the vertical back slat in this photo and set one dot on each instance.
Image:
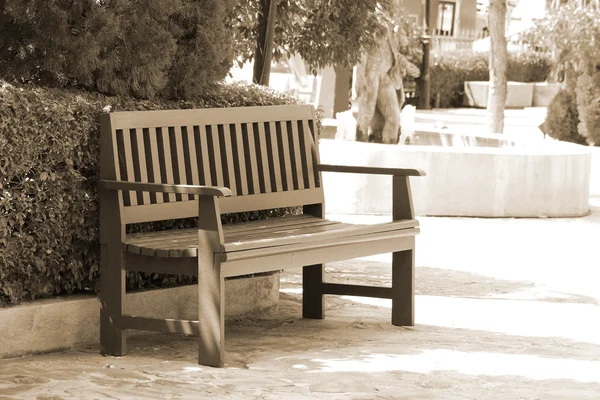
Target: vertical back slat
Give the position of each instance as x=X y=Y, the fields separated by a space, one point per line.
x=310 y=155
x=193 y=156
x=275 y=152
x=297 y=154
x=143 y=166
x=217 y=153
x=129 y=164
x=166 y=149
x=204 y=155
x=155 y=162
x=229 y=161
x=285 y=148
x=182 y=178
x=240 y=160
x=262 y=143
x=253 y=164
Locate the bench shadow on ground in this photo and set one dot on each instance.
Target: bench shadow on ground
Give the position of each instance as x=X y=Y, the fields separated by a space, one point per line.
x=364 y=326
x=436 y=282
x=355 y=352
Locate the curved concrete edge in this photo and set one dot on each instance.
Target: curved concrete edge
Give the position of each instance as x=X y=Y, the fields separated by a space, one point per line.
x=53 y=324
x=551 y=180
x=518 y=95
x=595 y=173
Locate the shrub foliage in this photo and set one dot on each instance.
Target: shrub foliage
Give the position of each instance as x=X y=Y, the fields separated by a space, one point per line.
x=48 y=184
x=571 y=32
x=562 y=118
x=141 y=48
x=450 y=71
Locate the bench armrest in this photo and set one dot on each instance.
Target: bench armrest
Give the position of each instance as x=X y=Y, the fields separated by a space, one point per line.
x=402 y=206
x=166 y=188
x=370 y=170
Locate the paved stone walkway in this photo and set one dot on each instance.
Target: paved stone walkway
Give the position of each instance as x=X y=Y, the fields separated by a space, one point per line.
x=505 y=309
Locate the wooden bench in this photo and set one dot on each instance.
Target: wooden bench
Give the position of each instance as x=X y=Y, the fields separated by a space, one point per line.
x=160 y=165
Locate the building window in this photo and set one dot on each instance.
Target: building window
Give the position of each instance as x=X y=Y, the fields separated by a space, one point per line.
x=445 y=18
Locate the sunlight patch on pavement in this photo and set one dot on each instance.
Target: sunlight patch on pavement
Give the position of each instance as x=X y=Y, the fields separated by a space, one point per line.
x=291 y=290
x=192 y=369
x=476 y=363
x=579 y=322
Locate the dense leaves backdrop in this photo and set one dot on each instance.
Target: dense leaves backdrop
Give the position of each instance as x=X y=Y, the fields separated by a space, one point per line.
x=49 y=141
x=323 y=32
x=140 y=48
x=571 y=33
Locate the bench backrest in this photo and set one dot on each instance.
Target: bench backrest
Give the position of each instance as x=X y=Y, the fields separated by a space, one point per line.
x=267 y=156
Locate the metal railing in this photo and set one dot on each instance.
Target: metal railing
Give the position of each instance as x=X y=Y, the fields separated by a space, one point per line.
x=443 y=43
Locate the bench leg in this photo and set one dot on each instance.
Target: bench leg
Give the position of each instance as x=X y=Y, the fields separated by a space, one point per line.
x=112 y=300
x=312 y=292
x=211 y=313
x=403 y=288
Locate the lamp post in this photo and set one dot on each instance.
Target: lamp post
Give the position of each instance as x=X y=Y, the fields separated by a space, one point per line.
x=425 y=95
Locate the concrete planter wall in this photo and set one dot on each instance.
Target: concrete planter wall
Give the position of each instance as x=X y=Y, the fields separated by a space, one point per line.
x=519 y=94
x=543 y=93
x=595 y=172
x=552 y=181
x=53 y=324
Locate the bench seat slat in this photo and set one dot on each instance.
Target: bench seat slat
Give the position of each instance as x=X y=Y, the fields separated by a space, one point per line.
x=251 y=240
x=184 y=242
x=353 y=233
x=228 y=228
x=288 y=219
x=314 y=226
x=275 y=229
x=185 y=239
x=302 y=254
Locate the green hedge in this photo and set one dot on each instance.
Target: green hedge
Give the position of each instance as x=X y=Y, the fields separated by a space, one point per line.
x=450 y=71
x=144 y=49
x=562 y=118
x=48 y=177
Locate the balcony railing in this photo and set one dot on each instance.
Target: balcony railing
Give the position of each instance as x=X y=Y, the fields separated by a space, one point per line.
x=463 y=40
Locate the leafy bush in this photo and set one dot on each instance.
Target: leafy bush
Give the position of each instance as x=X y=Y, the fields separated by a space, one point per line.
x=139 y=48
x=571 y=33
x=450 y=71
x=528 y=66
x=562 y=118
x=333 y=32
x=588 y=106
x=48 y=177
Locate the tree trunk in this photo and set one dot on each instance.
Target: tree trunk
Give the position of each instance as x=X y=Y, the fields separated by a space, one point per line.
x=498 y=56
x=264 y=43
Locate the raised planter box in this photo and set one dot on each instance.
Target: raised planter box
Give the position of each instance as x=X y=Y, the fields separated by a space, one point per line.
x=543 y=93
x=53 y=324
x=549 y=179
x=519 y=94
